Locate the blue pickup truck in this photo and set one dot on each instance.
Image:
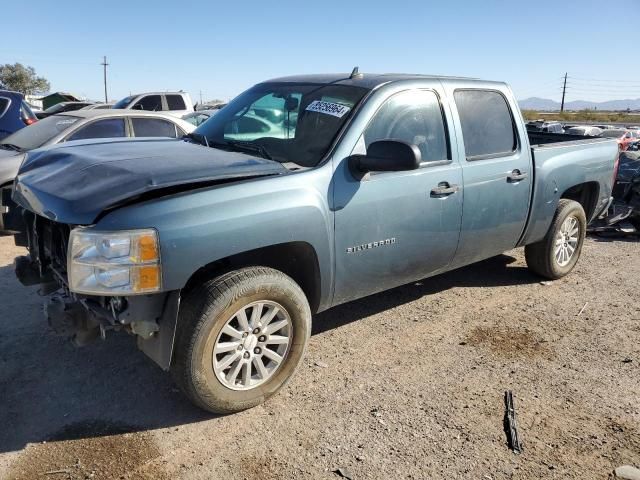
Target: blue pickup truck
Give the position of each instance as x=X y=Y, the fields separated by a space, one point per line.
x=301 y=194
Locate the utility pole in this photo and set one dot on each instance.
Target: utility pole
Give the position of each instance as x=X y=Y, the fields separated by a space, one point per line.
x=564 y=90
x=104 y=65
x=200 y=97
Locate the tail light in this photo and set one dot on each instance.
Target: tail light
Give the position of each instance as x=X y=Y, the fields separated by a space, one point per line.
x=30 y=121
x=616 y=164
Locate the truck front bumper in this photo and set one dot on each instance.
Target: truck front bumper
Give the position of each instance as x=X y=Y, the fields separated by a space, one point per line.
x=152 y=318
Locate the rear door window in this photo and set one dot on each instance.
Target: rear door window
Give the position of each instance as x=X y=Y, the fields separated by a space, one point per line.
x=487 y=124
x=153 y=127
x=175 y=102
x=108 y=128
x=149 y=103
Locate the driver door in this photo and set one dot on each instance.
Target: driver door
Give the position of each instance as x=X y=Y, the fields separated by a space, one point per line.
x=393 y=228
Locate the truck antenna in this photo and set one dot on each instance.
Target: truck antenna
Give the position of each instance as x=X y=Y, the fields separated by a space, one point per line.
x=355 y=73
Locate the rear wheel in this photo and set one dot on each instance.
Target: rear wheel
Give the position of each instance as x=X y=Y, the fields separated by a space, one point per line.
x=240 y=338
x=558 y=252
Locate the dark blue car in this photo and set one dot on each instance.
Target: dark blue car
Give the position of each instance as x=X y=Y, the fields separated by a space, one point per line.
x=14 y=113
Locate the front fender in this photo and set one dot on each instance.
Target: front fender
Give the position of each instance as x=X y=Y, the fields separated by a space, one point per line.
x=201 y=226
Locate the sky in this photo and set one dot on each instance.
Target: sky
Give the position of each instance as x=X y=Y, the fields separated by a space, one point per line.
x=219 y=49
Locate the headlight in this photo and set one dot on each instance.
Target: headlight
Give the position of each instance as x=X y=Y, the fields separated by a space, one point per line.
x=114 y=263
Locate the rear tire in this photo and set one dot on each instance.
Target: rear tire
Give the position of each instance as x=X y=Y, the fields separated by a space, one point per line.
x=211 y=334
x=558 y=252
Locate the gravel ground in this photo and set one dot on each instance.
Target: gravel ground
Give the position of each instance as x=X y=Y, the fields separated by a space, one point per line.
x=405 y=384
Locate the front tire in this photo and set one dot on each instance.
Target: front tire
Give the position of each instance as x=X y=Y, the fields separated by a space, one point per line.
x=240 y=338
x=558 y=252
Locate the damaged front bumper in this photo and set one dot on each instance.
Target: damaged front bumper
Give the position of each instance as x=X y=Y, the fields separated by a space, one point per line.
x=84 y=318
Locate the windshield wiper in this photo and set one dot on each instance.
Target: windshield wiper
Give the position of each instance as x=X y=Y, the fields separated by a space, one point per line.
x=232 y=145
x=10 y=146
x=198 y=137
x=250 y=147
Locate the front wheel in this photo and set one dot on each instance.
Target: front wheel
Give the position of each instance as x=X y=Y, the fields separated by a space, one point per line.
x=558 y=252
x=240 y=338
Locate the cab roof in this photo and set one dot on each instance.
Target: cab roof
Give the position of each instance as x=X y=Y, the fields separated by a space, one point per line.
x=365 y=80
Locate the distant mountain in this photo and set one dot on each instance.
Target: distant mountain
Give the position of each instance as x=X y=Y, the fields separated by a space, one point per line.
x=536 y=103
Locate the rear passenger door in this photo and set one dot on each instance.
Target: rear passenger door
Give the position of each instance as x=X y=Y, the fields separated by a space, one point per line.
x=497 y=173
x=154 y=127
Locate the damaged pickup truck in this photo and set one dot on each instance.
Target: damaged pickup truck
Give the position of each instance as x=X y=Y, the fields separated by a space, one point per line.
x=303 y=193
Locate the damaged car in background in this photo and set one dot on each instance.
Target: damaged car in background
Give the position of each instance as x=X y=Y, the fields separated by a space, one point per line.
x=215 y=250
x=623 y=216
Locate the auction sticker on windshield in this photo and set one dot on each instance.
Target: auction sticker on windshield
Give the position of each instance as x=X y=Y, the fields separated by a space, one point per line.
x=329 y=108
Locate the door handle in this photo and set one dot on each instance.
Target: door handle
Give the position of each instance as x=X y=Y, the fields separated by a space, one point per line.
x=516 y=176
x=444 y=189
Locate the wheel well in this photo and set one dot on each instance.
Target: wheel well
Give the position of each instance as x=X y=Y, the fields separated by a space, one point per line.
x=296 y=259
x=586 y=194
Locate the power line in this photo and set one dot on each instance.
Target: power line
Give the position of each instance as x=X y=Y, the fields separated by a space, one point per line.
x=603 y=80
x=602 y=86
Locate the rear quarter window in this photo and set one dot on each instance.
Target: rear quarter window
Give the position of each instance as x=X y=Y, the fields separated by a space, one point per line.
x=487 y=124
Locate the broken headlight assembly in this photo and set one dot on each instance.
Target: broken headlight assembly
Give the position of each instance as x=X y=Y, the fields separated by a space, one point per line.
x=125 y=262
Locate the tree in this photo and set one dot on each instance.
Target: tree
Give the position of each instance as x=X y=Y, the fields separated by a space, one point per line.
x=22 y=79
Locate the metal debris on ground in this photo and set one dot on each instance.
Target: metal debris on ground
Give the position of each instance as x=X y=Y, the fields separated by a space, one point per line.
x=344 y=473
x=582 y=309
x=511 y=424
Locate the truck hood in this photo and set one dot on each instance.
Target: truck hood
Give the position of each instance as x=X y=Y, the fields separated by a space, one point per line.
x=9 y=163
x=75 y=182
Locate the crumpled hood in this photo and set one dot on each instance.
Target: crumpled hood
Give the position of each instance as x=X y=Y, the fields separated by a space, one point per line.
x=74 y=182
x=9 y=163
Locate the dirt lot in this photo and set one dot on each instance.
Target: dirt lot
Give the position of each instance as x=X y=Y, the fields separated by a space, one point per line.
x=405 y=384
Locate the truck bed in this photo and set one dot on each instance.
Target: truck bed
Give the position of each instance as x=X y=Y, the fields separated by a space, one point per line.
x=561 y=161
x=545 y=138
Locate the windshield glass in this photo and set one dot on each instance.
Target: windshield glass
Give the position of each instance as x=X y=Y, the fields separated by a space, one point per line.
x=40 y=132
x=285 y=122
x=124 y=103
x=612 y=133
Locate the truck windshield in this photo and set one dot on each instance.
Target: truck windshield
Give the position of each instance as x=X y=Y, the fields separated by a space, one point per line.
x=286 y=122
x=124 y=103
x=40 y=132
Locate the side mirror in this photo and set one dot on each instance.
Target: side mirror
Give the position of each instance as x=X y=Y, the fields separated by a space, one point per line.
x=388 y=156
